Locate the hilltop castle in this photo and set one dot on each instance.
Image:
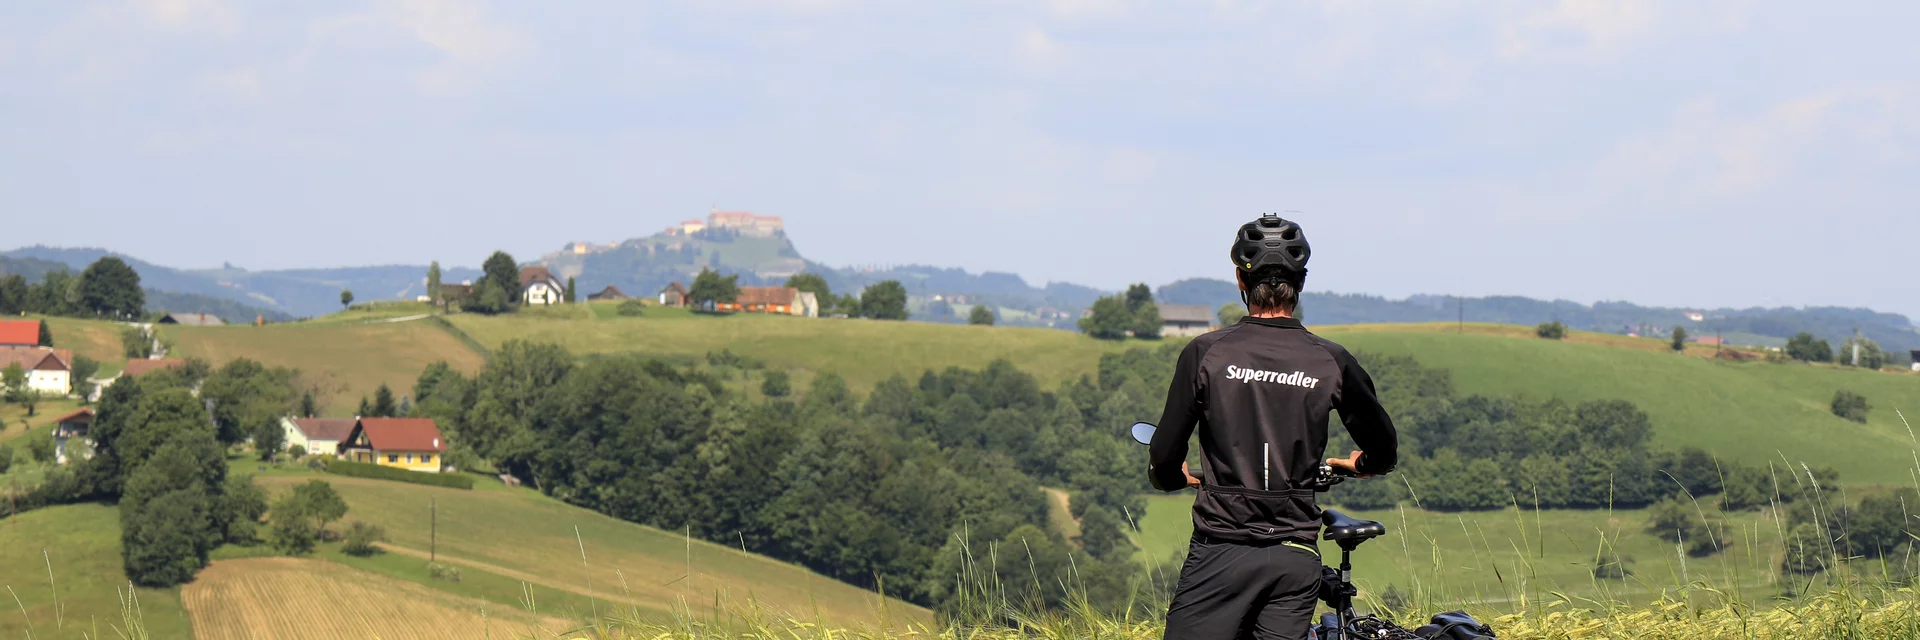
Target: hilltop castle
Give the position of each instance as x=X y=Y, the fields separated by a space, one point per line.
x=746 y=224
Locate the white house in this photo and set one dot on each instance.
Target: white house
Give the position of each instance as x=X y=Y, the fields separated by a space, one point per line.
x=49 y=371
x=318 y=436
x=71 y=426
x=538 y=286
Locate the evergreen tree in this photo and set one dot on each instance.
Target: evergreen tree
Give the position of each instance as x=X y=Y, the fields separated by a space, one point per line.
x=308 y=406
x=981 y=315
x=110 y=288
x=365 y=410
x=569 y=290
x=433 y=283
x=383 y=406
x=46 y=334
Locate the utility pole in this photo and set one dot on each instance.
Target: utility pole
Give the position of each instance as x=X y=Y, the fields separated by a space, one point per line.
x=433 y=530
x=1463 y=313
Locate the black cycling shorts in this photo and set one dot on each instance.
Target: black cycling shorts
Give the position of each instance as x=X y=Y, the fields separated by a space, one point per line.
x=1234 y=590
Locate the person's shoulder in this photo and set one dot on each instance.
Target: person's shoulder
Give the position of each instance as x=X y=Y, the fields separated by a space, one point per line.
x=1338 y=351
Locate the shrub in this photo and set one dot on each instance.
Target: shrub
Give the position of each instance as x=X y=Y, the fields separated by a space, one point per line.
x=360 y=538
x=6 y=458
x=297 y=452
x=364 y=470
x=1851 y=406
x=40 y=446
x=776 y=384
x=1610 y=566
x=631 y=308
x=445 y=572
x=1551 y=330
x=1805 y=348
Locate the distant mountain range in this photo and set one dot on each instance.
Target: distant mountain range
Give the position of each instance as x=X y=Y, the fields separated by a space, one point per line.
x=640 y=267
x=278 y=295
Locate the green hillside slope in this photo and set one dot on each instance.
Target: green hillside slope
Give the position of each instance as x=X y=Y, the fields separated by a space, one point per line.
x=863 y=351
x=346 y=361
x=83 y=599
x=1748 y=411
x=522 y=536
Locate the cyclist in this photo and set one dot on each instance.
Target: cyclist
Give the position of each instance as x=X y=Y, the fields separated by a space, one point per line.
x=1259 y=393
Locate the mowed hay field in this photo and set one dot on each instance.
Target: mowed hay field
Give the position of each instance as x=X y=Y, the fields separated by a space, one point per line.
x=863 y=351
x=524 y=536
x=82 y=596
x=347 y=360
x=291 y=599
x=97 y=339
x=1753 y=412
x=1498 y=557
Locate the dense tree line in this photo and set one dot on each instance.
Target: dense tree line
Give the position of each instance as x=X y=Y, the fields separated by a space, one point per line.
x=1128 y=314
x=107 y=288
x=903 y=490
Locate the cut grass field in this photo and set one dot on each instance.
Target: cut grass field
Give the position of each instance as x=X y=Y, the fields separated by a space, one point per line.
x=863 y=351
x=290 y=599
x=1753 y=412
x=348 y=360
x=82 y=543
x=1500 y=557
x=97 y=339
x=520 y=535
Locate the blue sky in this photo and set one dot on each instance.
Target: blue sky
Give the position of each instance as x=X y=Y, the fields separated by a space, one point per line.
x=1683 y=153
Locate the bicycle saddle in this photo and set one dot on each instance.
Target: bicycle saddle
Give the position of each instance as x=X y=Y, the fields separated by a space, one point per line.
x=1341 y=528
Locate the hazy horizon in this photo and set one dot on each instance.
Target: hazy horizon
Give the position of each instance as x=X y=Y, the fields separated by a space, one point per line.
x=1713 y=154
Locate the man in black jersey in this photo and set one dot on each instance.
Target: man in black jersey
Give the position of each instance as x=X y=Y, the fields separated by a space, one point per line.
x=1259 y=393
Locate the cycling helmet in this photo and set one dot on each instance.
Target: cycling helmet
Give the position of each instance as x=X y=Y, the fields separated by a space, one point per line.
x=1272 y=241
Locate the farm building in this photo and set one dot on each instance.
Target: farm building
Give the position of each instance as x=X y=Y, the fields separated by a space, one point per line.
x=49 y=371
x=609 y=293
x=777 y=300
x=19 y=333
x=68 y=427
x=318 y=436
x=538 y=286
x=674 y=295
x=413 y=444
x=1185 y=320
x=192 y=319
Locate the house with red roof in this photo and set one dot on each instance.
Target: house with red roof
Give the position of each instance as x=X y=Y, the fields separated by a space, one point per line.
x=68 y=427
x=19 y=333
x=413 y=444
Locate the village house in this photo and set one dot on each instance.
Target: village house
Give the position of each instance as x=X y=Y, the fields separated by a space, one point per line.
x=675 y=295
x=68 y=427
x=413 y=444
x=192 y=319
x=49 y=371
x=609 y=293
x=538 y=286
x=774 y=300
x=19 y=333
x=318 y=436
x=1185 y=320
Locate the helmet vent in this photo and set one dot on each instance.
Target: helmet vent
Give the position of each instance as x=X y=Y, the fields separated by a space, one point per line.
x=1294 y=251
x=1290 y=234
x=1254 y=235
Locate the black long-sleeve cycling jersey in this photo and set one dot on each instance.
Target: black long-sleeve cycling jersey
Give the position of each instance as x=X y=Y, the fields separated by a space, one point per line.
x=1260 y=393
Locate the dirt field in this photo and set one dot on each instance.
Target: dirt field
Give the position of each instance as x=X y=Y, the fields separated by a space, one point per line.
x=266 y=598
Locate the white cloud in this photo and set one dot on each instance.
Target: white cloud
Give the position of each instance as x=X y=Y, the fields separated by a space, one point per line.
x=457 y=27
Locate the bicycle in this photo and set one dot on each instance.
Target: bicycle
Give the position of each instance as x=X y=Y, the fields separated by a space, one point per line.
x=1336 y=587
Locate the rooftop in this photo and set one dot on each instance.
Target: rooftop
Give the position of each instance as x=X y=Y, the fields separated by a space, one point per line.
x=20 y=332
x=402 y=434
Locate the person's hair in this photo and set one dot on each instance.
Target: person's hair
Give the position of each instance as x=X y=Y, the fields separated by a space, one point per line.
x=1270 y=288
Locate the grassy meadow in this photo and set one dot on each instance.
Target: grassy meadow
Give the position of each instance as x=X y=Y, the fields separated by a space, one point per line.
x=863 y=351
x=80 y=595
x=1754 y=411
x=501 y=537
x=346 y=360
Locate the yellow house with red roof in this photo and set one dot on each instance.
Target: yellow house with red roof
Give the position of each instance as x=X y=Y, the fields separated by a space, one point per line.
x=413 y=444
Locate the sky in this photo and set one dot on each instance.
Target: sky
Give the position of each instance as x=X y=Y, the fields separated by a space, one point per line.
x=1701 y=153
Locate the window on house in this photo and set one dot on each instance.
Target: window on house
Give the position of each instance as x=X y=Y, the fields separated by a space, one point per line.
x=393 y=457
x=409 y=458
x=426 y=457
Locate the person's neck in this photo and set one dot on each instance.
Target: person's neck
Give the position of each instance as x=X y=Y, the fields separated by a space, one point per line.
x=1276 y=313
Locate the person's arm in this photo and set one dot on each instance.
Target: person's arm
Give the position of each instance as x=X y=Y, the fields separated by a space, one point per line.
x=1367 y=421
x=1168 y=451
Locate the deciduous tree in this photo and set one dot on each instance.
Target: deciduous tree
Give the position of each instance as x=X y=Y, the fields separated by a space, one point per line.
x=885 y=300
x=981 y=315
x=1679 y=338
x=1231 y=313
x=346 y=298
x=502 y=274
x=711 y=288
x=110 y=288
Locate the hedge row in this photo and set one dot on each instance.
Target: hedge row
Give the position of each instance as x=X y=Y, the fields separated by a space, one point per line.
x=364 y=470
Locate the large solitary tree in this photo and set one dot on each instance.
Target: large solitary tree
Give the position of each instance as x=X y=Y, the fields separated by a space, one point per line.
x=111 y=288
x=885 y=300
x=711 y=287
x=503 y=275
x=981 y=315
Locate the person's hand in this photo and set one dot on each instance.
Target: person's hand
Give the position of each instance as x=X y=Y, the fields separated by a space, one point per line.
x=1349 y=464
x=1192 y=482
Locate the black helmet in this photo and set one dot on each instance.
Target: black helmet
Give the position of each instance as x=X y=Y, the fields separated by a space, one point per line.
x=1272 y=241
